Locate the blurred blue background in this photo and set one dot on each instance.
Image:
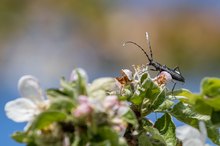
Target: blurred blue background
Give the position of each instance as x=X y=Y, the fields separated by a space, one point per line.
x=48 y=39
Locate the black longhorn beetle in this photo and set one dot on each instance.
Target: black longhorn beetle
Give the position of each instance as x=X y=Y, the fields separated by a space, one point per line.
x=175 y=73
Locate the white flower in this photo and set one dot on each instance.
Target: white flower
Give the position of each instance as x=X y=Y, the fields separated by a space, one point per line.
x=31 y=102
x=191 y=136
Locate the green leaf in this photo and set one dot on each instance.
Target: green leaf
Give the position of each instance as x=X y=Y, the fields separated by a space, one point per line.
x=32 y=144
x=62 y=104
x=215 y=118
x=180 y=92
x=141 y=92
x=205 y=101
x=149 y=90
x=150 y=105
x=103 y=143
x=24 y=137
x=143 y=140
x=152 y=136
x=136 y=99
x=145 y=107
x=158 y=100
x=76 y=140
x=106 y=133
x=46 y=118
x=122 y=142
x=213 y=102
x=144 y=77
x=187 y=115
x=55 y=93
x=75 y=88
x=146 y=122
x=69 y=88
x=166 y=105
x=183 y=95
x=201 y=107
x=130 y=117
x=211 y=87
x=81 y=83
x=197 y=101
x=167 y=128
x=20 y=137
x=213 y=133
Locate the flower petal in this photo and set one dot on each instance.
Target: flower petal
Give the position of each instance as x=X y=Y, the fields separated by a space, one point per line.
x=203 y=131
x=96 y=104
x=83 y=99
x=110 y=101
x=21 y=110
x=123 y=110
x=193 y=142
x=127 y=73
x=82 y=110
x=186 y=132
x=29 y=88
x=74 y=74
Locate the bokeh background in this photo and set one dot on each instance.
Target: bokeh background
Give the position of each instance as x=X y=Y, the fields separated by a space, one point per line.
x=48 y=39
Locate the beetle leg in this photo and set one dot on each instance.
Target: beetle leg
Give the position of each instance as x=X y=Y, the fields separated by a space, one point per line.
x=173 y=87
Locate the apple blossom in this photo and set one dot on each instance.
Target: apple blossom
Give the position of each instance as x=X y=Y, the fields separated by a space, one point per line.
x=191 y=136
x=31 y=103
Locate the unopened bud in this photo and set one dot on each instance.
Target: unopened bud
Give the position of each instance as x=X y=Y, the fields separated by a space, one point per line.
x=163 y=78
x=76 y=72
x=82 y=110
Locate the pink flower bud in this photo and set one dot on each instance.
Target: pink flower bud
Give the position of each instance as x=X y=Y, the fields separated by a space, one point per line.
x=125 y=79
x=163 y=78
x=82 y=110
x=127 y=73
x=110 y=101
x=82 y=99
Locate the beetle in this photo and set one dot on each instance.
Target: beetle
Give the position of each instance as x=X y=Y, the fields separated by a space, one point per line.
x=175 y=73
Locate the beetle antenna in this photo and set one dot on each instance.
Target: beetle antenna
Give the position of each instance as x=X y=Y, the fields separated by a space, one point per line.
x=149 y=45
x=130 y=42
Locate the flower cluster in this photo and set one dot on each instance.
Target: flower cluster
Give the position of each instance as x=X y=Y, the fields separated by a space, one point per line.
x=77 y=109
x=113 y=111
x=110 y=106
x=30 y=104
